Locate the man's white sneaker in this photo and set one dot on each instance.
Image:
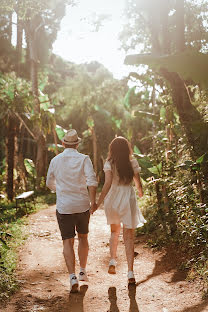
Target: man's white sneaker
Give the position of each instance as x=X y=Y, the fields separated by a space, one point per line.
x=74 y=285
x=83 y=276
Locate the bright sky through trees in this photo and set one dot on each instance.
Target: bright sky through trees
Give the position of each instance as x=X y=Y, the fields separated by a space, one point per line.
x=79 y=42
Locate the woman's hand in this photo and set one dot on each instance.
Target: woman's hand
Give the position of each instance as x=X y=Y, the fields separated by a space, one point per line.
x=140 y=192
x=138 y=184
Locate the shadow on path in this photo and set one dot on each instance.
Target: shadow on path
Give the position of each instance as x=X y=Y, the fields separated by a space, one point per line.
x=76 y=300
x=113 y=299
x=166 y=264
x=71 y=303
x=197 y=308
x=132 y=294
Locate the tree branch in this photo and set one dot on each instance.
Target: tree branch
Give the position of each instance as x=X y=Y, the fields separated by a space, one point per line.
x=30 y=132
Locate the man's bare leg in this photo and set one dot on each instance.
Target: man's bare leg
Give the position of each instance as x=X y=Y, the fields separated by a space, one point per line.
x=83 y=249
x=69 y=256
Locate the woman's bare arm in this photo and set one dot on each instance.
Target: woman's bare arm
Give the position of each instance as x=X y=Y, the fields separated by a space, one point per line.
x=138 y=184
x=106 y=187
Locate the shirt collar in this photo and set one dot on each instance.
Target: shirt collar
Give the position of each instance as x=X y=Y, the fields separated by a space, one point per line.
x=70 y=151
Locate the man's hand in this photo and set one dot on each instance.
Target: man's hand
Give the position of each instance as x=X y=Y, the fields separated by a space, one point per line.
x=93 y=208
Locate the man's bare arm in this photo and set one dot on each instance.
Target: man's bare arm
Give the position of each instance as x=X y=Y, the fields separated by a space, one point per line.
x=92 y=194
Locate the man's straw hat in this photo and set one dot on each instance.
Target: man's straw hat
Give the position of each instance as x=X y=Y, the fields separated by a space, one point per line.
x=71 y=137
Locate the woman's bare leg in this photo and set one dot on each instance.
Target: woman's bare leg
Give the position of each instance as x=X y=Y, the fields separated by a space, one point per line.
x=115 y=231
x=128 y=235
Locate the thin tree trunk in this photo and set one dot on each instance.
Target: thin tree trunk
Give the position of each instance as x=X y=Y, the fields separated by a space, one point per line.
x=20 y=160
x=153 y=110
x=18 y=180
x=195 y=127
x=154 y=29
x=41 y=156
x=165 y=28
x=180 y=26
x=55 y=139
x=94 y=144
x=10 y=27
x=10 y=157
x=19 y=41
x=41 y=159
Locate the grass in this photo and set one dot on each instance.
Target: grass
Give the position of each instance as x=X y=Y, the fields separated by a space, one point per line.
x=12 y=235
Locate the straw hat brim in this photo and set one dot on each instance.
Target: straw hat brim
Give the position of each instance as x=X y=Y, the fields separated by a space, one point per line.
x=72 y=143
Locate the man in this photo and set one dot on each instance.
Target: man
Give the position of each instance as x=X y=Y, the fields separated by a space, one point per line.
x=70 y=174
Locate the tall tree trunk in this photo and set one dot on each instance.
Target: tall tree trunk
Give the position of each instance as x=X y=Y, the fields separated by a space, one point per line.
x=55 y=139
x=27 y=53
x=164 y=11
x=41 y=159
x=10 y=27
x=154 y=29
x=10 y=157
x=19 y=41
x=94 y=144
x=20 y=159
x=41 y=156
x=195 y=127
x=180 y=26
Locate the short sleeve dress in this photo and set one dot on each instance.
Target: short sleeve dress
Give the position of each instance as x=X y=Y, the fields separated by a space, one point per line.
x=120 y=203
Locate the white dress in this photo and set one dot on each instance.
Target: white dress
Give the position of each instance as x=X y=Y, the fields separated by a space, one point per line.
x=120 y=203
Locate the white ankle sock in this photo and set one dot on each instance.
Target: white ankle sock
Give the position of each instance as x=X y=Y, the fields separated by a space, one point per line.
x=130 y=274
x=112 y=262
x=72 y=275
x=82 y=270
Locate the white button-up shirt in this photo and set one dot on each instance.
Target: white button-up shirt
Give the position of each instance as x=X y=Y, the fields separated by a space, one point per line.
x=69 y=174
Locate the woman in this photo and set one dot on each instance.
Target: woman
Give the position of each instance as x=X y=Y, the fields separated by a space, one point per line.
x=120 y=200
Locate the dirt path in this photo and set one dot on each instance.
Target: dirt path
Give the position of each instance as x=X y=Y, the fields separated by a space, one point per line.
x=44 y=280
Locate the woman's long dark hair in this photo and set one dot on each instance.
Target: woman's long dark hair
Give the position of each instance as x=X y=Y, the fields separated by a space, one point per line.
x=119 y=156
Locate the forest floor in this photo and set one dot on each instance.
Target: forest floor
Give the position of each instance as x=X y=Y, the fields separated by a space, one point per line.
x=160 y=287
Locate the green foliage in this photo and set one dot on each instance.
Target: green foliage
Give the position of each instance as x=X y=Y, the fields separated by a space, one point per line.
x=127 y=98
x=15 y=96
x=30 y=167
x=11 y=236
x=174 y=209
x=148 y=28
x=60 y=132
x=189 y=64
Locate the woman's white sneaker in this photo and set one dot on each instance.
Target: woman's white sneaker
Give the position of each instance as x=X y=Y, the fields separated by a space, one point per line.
x=131 y=278
x=112 y=266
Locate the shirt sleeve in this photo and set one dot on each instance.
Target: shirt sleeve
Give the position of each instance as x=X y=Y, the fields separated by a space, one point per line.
x=107 y=166
x=135 y=166
x=89 y=173
x=50 y=180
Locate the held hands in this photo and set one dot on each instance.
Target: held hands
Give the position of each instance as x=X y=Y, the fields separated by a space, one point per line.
x=93 y=208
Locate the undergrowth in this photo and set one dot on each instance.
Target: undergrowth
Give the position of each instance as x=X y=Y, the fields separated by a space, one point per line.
x=182 y=223
x=13 y=224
